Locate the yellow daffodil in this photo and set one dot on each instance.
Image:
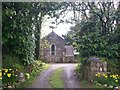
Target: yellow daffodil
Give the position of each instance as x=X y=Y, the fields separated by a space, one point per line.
x=114 y=76
x=117 y=75
x=106 y=76
x=9 y=74
x=96 y=74
x=0 y=74
x=116 y=80
x=10 y=69
x=6 y=70
x=110 y=75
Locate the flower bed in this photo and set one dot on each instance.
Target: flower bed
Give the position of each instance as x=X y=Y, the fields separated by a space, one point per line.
x=8 y=76
x=109 y=80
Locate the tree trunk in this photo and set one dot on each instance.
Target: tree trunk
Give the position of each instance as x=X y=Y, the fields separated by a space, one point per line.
x=37 y=35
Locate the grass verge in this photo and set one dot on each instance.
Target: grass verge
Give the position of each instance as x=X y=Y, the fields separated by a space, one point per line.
x=34 y=74
x=55 y=79
x=46 y=66
x=87 y=84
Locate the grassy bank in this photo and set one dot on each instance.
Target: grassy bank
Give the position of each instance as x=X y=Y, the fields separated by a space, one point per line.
x=56 y=80
x=87 y=84
x=33 y=75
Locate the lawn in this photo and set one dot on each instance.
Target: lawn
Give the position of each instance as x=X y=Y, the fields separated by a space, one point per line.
x=55 y=79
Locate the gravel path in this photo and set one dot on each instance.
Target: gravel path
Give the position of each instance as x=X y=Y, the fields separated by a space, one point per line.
x=68 y=76
x=70 y=79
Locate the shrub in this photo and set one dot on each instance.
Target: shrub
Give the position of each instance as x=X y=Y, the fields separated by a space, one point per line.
x=18 y=67
x=9 y=60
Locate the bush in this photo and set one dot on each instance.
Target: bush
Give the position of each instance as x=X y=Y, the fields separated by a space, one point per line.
x=37 y=64
x=78 y=68
x=18 y=67
x=9 y=60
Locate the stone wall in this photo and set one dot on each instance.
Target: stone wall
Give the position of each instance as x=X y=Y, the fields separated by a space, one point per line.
x=69 y=59
x=93 y=66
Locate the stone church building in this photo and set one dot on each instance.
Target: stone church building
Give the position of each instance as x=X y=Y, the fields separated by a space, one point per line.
x=57 y=51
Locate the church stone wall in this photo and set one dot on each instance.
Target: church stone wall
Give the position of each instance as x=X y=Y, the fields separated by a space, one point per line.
x=59 y=56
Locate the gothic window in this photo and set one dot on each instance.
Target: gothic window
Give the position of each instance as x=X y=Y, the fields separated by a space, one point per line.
x=53 y=49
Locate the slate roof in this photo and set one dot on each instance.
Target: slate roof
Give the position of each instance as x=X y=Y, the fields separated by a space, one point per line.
x=56 y=39
x=95 y=59
x=53 y=34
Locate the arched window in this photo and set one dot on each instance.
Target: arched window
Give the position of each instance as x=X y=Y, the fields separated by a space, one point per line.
x=53 y=49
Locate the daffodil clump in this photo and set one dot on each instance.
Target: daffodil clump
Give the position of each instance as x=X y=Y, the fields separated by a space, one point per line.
x=8 y=76
x=108 y=79
x=0 y=75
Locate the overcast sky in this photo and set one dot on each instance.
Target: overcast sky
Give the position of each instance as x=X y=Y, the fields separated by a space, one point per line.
x=60 y=29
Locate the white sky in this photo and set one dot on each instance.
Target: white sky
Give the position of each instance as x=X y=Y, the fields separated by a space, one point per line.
x=60 y=29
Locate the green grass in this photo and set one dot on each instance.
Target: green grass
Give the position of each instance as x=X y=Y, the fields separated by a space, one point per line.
x=46 y=66
x=55 y=80
x=87 y=84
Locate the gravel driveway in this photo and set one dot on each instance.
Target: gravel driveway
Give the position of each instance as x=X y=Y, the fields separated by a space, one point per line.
x=68 y=76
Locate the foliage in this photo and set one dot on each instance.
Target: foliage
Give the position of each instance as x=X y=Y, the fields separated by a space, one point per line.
x=17 y=34
x=97 y=33
x=93 y=44
x=77 y=68
x=44 y=44
x=27 y=75
x=108 y=79
x=18 y=67
x=68 y=37
x=37 y=65
x=9 y=60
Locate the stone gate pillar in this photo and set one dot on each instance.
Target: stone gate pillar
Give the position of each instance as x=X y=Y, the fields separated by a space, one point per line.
x=105 y=66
